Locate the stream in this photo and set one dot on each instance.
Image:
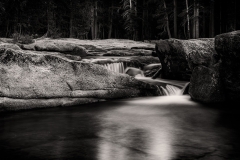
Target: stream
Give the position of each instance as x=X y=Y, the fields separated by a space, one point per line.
x=145 y=128
x=168 y=127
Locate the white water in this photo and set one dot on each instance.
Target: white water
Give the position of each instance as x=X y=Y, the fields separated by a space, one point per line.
x=166 y=87
x=168 y=90
x=116 y=67
x=172 y=90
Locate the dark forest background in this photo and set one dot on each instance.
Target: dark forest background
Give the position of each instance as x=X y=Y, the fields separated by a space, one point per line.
x=128 y=19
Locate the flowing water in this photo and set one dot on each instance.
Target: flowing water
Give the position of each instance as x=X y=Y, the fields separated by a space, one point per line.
x=116 y=67
x=170 y=127
x=167 y=89
x=146 y=128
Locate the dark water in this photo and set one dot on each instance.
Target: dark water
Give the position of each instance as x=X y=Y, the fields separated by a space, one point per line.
x=153 y=128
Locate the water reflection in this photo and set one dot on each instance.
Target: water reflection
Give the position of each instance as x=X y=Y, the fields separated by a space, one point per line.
x=150 y=128
x=140 y=129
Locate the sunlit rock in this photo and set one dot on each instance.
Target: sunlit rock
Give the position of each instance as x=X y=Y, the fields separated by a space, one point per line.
x=109 y=47
x=33 y=80
x=55 y=45
x=4 y=46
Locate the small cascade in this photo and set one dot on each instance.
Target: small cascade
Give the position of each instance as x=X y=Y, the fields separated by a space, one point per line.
x=185 y=89
x=165 y=92
x=116 y=67
x=171 y=90
x=168 y=90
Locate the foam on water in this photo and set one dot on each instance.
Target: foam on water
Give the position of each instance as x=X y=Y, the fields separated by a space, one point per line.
x=168 y=90
x=116 y=67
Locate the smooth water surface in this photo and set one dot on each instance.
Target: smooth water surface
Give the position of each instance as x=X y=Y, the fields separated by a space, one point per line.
x=149 y=128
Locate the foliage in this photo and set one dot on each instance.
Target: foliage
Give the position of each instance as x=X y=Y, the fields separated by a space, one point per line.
x=129 y=16
x=133 y=19
x=162 y=15
x=23 y=39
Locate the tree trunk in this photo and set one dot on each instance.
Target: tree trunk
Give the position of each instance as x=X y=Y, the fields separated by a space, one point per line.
x=95 y=21
x=92 y=23
x=110 y=22
x=220 y=17
x=194 y=20
x=175 y=18
x=148 y=28
x=211 y=24
x=103 y=33
x=188 y=23
x=192 y=24
x=204 y=25
x=7 y=28
x=235 y=15
x=197 y=20
x=49 y=19
x=167 y=20
x=135 y=29
x=71 y=20
x=143 y=20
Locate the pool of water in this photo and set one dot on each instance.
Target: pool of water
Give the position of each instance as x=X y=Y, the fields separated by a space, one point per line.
x=149 y=128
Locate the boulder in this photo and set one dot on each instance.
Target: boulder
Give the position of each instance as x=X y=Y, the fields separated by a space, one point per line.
x=134 y=72
x=228 y=48
x=37 y=80
x=205 y=85
x=180 y=57
x=194 y=60
x=9 y=45
x=151 y=69
x=55 y=45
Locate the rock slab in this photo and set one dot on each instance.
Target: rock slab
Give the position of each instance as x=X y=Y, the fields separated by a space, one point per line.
x=55 y=45
x=32 y=80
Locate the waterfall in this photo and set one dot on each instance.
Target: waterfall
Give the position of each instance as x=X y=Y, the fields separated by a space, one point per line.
x=165 y=92
x=171 y=90
x=168 y=90
x=185 y=89
x=116 y=67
